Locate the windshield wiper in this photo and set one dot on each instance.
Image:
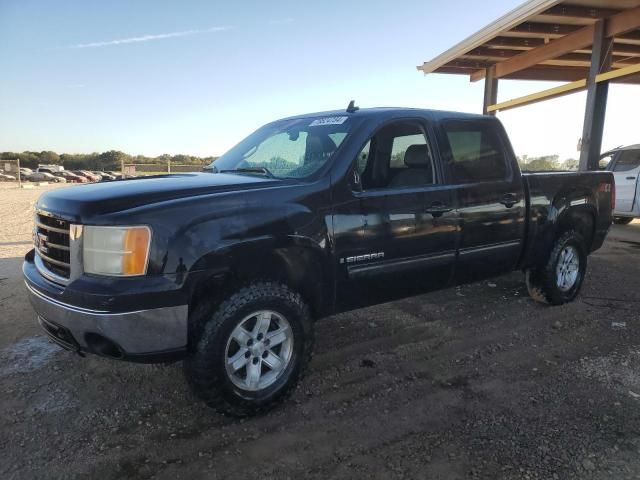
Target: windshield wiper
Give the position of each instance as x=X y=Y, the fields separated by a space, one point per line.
x=262 y=170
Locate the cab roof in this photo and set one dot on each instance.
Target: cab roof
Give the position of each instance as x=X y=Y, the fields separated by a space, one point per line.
x=391 y=112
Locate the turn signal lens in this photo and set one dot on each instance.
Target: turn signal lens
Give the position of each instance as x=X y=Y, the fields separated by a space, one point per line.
x=136 y=246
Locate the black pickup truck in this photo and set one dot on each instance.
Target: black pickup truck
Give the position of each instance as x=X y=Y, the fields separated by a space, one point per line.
x=229 y=268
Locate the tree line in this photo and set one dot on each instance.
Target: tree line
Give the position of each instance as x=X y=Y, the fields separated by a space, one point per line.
x=111 y=160
x=546 y=162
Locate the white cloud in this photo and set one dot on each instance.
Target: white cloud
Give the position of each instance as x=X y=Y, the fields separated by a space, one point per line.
x=149 y=38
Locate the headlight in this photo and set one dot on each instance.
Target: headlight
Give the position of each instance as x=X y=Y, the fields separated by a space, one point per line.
x=118 y=251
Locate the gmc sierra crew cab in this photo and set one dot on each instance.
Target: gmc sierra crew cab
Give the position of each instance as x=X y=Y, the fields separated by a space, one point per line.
x=229 y=268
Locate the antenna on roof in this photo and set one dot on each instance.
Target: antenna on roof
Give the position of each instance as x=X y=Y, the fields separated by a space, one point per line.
x=352 y=107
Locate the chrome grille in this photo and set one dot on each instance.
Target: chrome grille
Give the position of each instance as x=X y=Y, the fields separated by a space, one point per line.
x=52 y=242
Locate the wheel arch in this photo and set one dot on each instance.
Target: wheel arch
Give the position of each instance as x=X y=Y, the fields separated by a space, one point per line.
x=581 y=218
x=296 y=261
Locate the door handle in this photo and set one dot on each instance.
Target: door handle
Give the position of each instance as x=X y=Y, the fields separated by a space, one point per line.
x=436 y=209
x=631 y=178
x=509 y=200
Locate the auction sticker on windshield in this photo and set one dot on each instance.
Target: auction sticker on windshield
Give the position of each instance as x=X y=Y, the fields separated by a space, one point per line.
x=328 y=121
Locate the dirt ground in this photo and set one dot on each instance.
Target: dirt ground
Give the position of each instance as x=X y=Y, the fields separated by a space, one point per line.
x=473 y=382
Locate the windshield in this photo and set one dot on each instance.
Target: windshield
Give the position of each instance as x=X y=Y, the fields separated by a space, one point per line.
x=287 y=148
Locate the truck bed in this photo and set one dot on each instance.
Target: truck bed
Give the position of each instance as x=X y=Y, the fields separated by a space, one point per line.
x=550 y=194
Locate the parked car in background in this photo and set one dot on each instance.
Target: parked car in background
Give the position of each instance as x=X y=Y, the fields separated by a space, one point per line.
x=70 y=177
x=85 y=179
x=25 y=171
x=87 y=174
x=624 y=162
x=5 y=177
x=44 y=177
x=49 y=168
x=106 y=177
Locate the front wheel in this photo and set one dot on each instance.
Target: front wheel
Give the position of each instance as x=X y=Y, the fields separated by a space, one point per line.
x=253 y=350
x=559 y=280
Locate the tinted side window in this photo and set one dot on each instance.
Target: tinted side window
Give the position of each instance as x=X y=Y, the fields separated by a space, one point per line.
x=628 y=160
x=396 y=156
x=399 y=148
x=476 y=152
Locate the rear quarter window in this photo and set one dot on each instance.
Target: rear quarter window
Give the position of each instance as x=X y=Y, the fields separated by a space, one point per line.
x=477 y=153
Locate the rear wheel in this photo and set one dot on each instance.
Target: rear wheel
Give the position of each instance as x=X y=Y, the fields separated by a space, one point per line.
x=559 y=280
x=622 y=220
x=253 y=350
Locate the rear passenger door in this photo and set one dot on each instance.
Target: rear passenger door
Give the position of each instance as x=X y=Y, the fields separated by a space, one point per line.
x=490 y=197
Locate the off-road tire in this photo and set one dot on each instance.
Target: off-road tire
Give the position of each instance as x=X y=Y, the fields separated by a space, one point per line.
x=205 y=368
x=542 y=280
x=622 y=220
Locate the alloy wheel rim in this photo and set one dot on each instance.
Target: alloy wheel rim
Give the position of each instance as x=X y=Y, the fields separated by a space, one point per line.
x=568 y=268
x=259 y=350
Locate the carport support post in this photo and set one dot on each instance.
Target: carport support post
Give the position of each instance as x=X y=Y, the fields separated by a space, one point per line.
x=596 y=107
x=490 y=90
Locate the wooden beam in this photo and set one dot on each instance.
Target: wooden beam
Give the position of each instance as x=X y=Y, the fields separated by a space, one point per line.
x=624 y=49
x=541 y=29
x=539 y=96
x=579 y=39
x=619 y=50
x=619 y=73
x=571 y=87
x=515 y=42
x=455 y=70
x=633 y=37
x=618 y=24
x=485 y=52
x=578 y=11
x=469 y=63
x=623 y=22
x=550 y=73
x=576 y=60
x=569 y=59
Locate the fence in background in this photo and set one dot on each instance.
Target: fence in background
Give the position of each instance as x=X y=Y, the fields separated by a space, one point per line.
x=12 y=168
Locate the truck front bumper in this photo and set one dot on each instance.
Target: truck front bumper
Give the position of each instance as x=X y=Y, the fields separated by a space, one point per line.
x=147 y=335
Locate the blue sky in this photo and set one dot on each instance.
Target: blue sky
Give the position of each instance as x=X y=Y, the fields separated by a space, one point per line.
x=195 y=77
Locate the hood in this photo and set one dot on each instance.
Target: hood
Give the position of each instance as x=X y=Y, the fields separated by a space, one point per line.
x=109 y=197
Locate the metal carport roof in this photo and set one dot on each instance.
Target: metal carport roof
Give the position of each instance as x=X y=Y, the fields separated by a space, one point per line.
x=588 y=43
x=523 y=44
